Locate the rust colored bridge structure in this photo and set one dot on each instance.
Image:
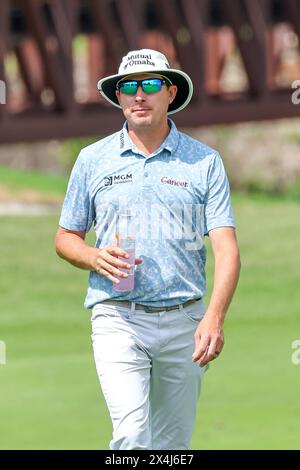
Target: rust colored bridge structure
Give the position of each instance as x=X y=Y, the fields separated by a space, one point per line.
x=242 y=55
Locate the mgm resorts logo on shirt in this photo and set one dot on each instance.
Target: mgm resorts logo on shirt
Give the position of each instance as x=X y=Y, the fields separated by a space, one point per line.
x=117 y=179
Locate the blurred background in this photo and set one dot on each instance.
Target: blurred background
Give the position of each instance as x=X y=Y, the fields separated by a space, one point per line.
x=244 y=59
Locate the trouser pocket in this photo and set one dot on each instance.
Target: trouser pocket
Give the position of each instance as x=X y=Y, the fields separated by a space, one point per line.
x=195 y=312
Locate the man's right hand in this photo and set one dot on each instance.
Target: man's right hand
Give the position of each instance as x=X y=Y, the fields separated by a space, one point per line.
x=71 y=246
x=107 y=263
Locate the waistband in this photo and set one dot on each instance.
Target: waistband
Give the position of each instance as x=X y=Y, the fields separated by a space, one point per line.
x=128 y=304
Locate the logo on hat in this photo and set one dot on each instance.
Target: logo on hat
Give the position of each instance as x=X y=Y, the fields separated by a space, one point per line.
x=139 y=59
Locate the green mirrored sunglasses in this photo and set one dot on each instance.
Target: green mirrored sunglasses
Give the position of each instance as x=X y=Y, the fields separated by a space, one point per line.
x=149 y=85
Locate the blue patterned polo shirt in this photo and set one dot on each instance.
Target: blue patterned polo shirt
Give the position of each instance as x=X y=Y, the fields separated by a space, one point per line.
x=176 y=195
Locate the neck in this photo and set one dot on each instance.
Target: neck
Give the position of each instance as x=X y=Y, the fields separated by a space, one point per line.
x=148 y=139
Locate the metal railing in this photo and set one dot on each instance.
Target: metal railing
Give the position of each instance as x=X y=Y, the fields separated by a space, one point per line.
x=53 y=52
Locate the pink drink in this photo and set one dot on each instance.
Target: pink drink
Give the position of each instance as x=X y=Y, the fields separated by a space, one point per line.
x=126 y=284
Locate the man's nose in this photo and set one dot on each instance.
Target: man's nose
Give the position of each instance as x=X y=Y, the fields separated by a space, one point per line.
x=140 y=95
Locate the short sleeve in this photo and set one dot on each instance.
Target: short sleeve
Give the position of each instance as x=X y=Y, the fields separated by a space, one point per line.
x=218 y=211
x=77 y=211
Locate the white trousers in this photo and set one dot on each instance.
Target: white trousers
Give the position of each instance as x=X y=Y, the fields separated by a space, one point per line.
x=148 y=379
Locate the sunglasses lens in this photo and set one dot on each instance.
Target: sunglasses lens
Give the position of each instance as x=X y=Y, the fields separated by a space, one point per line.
x=129 y=88
x=152 y=86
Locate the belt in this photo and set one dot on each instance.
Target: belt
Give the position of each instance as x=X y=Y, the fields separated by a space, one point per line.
x=146 y=308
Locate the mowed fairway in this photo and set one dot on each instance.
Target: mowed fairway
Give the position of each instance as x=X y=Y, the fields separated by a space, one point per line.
x=50 y=397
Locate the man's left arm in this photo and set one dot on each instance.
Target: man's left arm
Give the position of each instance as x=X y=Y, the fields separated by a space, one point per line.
x=209 y=336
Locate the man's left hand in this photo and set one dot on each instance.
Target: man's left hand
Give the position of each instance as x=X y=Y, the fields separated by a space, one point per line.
x=209 y=340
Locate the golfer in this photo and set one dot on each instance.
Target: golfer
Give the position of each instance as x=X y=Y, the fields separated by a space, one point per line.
x=152 y=342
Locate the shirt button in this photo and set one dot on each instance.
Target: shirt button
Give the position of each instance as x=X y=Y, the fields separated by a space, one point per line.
x=146 y=174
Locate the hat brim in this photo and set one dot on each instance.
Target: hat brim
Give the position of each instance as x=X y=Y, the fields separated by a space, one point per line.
x=107 y=87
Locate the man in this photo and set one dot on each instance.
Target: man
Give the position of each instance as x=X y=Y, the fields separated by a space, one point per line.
x=151 y=344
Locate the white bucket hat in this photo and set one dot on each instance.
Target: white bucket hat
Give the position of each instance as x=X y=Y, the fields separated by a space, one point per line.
x=148 y=61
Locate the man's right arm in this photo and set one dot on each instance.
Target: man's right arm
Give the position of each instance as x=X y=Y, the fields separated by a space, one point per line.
x=71 y=246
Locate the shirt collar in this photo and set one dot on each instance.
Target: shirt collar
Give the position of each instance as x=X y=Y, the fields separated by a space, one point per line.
x=170 y=143
x=125 y=141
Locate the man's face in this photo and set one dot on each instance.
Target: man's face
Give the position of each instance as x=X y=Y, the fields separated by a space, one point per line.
x=144 y=110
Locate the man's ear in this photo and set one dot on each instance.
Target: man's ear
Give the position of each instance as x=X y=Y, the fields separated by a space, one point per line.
x=172 y=93
x=117 y=92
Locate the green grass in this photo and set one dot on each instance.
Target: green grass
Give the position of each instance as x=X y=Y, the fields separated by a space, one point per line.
x=250 y=397
x=18 y=180
x=50 y=397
